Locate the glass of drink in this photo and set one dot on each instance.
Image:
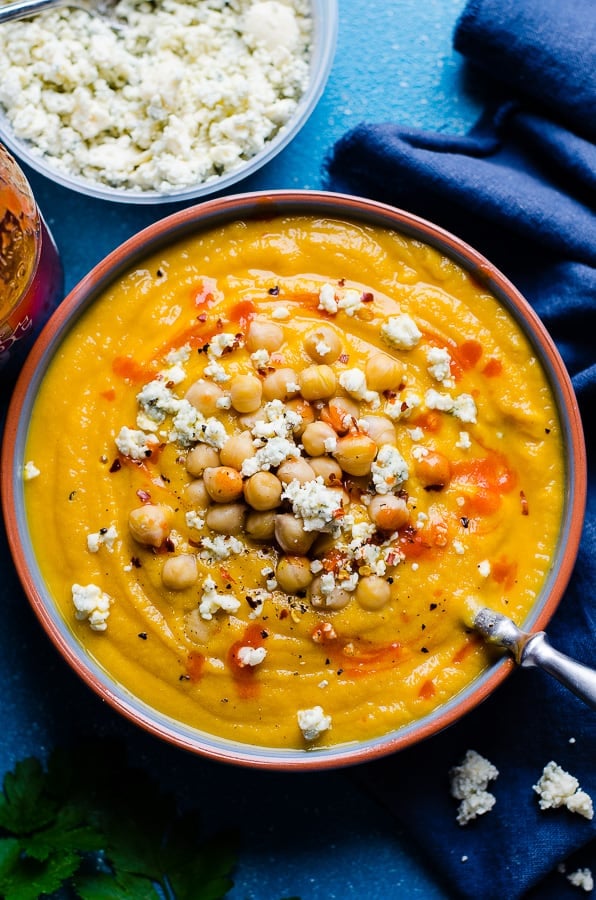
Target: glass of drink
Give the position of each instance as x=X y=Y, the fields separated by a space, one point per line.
x=31 y=277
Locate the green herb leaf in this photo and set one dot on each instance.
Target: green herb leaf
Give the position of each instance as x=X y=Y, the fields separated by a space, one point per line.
x=24 y=807
x=92 y=824
x=106 y=887
x=28 y=879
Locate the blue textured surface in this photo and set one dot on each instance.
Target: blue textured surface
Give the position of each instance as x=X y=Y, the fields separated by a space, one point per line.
x=317 y=836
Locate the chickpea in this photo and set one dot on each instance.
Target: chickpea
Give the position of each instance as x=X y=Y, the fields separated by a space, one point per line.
x=383 y=372
x=293 y=573
x=223 y=483
x=279 y=385
x=246 y=393
x=200 y=458
x=236 y=449
x=291 y=536
x=388 y=512
x=249 y=420
x=150 y=524
x=262 y=335
x=433 y=470
x=196 y=493
x=260 y=526
x=296 y=470
x=373 y=592
x=180 y=572
x=304 y=410
x=203 y=395
x=355 y=453
x=337 y=598
x=341 y=413
x=380 y=429
x=317 y=382
x=327 y=469
x=263 y=491
x=322 y=344
x=316 y=436
x=226 y=518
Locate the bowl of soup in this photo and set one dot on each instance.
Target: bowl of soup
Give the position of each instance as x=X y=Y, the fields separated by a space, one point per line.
x=262 y=456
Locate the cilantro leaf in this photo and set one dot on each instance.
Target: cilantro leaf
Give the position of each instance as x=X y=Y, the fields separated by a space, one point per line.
x=28 y=879
x=24 y=807
x=206 y=873
x=105 y=887
x=94 y=825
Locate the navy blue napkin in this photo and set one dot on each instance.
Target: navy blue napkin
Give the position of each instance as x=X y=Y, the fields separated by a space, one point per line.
x=521 y=188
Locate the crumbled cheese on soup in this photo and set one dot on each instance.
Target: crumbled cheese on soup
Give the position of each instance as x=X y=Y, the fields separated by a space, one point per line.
x=469 y=782
x=251 y=656
x=438 y=363
x=314 y=503
x=401 y=332
x=313 y=722
x=30 y=471
x=92 y=604
x=353 y=381
x=275 y=451
x=212 y=601
x=220 y=547
x=134 y=443
x=184 y=92
x=556 y=787
x=462 y=407
x=389 y=470
x=105 y=537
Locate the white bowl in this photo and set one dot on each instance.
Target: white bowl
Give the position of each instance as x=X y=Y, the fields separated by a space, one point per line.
x=324 y=32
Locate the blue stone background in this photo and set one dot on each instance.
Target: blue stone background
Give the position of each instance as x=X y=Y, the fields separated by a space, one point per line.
x=319 y=836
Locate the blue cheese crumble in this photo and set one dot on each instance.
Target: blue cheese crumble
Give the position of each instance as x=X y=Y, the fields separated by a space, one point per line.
x=181 y=94
x=313 y=722
x=91 y=604
x=556 y=788
x=469 y=782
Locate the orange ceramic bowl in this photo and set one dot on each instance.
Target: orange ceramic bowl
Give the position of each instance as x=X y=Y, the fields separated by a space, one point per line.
x=158 y=237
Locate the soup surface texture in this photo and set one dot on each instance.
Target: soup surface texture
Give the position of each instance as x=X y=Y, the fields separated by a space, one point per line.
x=275 y=461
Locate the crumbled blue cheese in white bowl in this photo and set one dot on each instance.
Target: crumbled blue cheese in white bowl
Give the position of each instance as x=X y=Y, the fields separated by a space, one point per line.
x=184 y=99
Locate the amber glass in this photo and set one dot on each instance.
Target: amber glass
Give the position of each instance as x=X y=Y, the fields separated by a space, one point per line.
x=30 y=269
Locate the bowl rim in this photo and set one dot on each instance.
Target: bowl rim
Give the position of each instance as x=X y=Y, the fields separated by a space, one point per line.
x=193 y=220
x=325 y=17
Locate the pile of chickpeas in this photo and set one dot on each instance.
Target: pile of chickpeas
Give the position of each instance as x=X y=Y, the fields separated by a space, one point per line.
x=236 y=505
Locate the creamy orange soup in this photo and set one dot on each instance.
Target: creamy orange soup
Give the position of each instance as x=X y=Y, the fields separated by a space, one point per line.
x=274 y=463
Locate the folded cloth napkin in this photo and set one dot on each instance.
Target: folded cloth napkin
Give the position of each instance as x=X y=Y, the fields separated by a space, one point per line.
x=521 y=188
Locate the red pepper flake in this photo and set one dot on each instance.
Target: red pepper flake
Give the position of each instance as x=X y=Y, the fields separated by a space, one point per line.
x=202 y=317
x=226 y=575
x=116 y=465
x=367 y=297
x=109 y=394
x=274 y=291
x=343 y=358
x=283 y=613
x=135 y=562
x=194 y=666
x=169 y=545
x=524 y=504
x=144 y=496
x=142 y=635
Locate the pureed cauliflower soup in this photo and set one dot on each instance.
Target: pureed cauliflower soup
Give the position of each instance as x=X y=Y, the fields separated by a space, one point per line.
x=275 y=461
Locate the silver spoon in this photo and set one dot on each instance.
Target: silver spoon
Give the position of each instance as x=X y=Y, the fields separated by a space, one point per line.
x=24 y=9
x=533 y=650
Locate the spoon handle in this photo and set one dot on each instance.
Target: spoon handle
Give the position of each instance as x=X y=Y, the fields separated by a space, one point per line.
x=23 y=9
x=574 y=675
